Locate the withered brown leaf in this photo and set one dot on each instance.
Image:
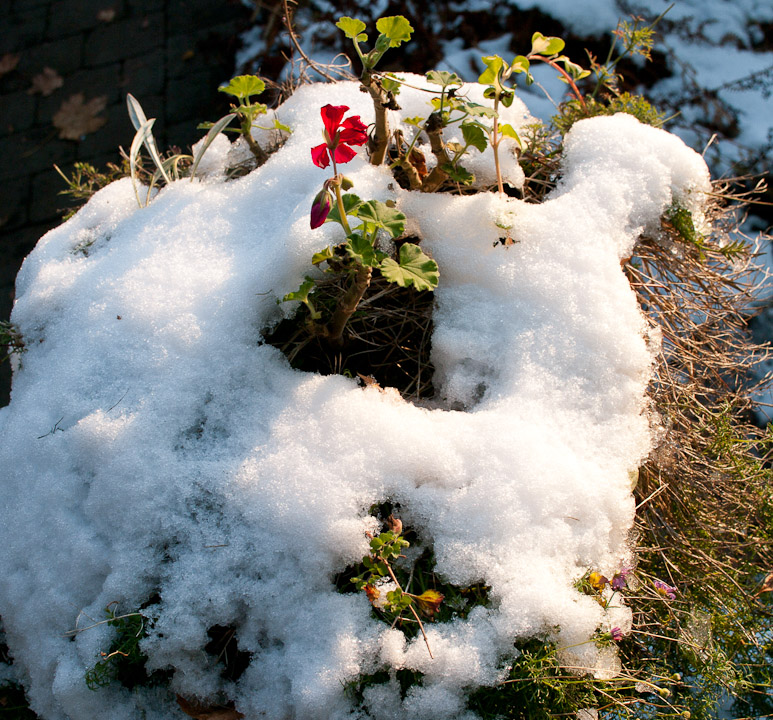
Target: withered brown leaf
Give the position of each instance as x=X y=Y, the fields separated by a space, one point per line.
x=76 y=118
x=767 y=585
x=46 y=82
x=8 y=62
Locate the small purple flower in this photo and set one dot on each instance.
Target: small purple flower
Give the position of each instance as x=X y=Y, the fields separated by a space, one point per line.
x=664 y=590
x=320 y=208
x=616 y=633
x=619 y=579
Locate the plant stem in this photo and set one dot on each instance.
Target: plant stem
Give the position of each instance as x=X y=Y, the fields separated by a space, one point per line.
x=434 y=129
x=379 y=141
x=334 y=330
x=257 y=151
x=495 y=145
x=341 y=211
x=565 y=74
x=411 y=608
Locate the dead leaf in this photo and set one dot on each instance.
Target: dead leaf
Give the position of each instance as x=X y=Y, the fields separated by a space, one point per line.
x=46 y=82
x=429 y=602
x=369 y=381
x=207 y=712
x=76 y=118
x=416 y=158
x=395 y=525
x=767 y=585
x=106 y=15
x=8 y=63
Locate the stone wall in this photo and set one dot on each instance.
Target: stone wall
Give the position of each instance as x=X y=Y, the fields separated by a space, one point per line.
x=170 y=54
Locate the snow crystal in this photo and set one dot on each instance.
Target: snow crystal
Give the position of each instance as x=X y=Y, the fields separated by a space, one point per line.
x=158 y=455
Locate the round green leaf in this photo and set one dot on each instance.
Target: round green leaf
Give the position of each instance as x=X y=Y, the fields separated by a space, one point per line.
x=351 y=27
x=243 y=86
x=382 y=216
x=415 y=268
x=396 y=28
x=491 y=74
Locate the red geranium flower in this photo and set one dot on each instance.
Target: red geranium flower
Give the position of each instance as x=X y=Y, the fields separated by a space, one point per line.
x=338 y=136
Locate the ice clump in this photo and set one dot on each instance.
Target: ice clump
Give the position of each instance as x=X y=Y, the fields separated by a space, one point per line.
x=156 y=453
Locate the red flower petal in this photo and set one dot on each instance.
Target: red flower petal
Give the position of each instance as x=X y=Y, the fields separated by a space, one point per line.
x=344 y=153
x=320 y=157
x=331 y=117
x=354 y=131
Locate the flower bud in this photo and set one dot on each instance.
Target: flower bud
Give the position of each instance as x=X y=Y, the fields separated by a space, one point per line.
x=320 y=208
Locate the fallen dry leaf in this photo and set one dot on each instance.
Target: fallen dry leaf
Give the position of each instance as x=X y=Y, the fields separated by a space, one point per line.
x=8 y=62
x=106 y=15
x=767 y=585
x=207 y=712
x=76 y=118
x=46 y=82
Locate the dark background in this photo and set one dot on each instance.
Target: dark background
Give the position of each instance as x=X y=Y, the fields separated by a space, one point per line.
x=170 y=54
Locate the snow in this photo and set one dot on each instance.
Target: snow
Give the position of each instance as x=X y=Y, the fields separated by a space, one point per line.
x=154 y=447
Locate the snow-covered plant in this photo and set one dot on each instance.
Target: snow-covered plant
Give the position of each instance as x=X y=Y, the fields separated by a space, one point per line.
x=193 y=473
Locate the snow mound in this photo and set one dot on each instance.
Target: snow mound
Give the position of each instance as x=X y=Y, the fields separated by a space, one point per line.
x=155 y=451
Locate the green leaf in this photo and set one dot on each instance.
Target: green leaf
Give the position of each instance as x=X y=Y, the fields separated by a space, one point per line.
x=320 y=257
x=473 y=135
x=509 y=131
x=492 y=74
x=351 y=204
x=382 y=216
x=214 y=131
x=361 y=250
x=416 y=121
x=576 y=71
x=507 y=98
x=351 y=27
x=415 y=268
x=281 y=126
x=477 y=110
x=391 y=84
x=541 y=45
x=302 y=295
x=443 y=78
x=520 y=64
x=396 y=28
x=242 y=86
x=458 y=174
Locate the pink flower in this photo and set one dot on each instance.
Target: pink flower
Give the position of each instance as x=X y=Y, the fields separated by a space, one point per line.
x=320 y=207
x=338 y=136
x=616 y=633
x=664 y=590
x=619 y=579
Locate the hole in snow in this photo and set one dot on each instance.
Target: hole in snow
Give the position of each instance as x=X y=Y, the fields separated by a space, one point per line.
x=387 y=339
